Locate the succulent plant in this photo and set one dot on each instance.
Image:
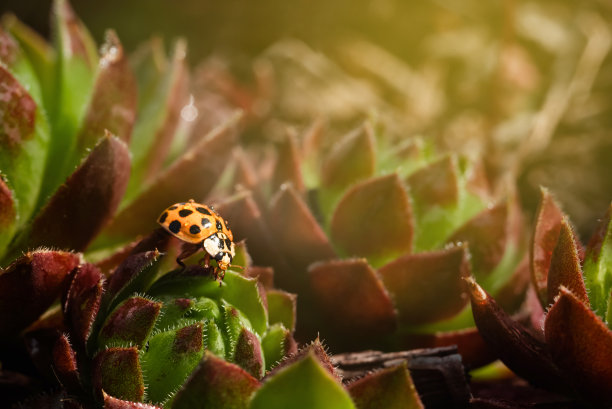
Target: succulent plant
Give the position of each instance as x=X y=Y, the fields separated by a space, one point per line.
x=568 y=346
x=90 y=153
x=375 y=236
x=115 y=337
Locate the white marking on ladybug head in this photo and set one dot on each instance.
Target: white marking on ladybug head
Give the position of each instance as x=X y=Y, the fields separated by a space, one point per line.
x=225 y=261
x=211 y=245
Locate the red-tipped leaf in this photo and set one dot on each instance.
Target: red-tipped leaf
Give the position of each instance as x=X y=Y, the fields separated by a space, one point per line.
x=352 y=296
x=30 y=285
x=427 y=287
x=581 y=344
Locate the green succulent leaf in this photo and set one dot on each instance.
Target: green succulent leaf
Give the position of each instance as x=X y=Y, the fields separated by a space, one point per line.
x=40 y=55
x=390 y=388
x=76 y=66
x=282 y=308
x=183 y=347
x=304 y=384
x=112 y=106
x=162 y=97
x=117 y=371
x=598 y=269
x=273 y=344
x=243 y=293
x=216 y=383
x=79 y=209
x=24 y=137
x=130 y=323
x=249 y=354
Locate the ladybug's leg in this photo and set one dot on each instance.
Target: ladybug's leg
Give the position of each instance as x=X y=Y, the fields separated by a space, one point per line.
x=187 y=250
x=205 y=261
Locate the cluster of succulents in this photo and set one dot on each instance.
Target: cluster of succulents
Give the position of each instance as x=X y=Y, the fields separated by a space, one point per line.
x=376 y=236
x=389 y=241
x=567 y=345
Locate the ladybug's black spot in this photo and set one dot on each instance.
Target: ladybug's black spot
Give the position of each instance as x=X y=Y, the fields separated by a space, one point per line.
x=174 y=226
x=205 y=222
x=220 y=245
x=172 y=207
x=185 y=212
x=219 y=225
x=162 y=218
x=194 y=229
x=228 y=243
x=203 y=210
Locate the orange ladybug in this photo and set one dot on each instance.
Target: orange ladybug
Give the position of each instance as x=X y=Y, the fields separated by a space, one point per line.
x=200 y=227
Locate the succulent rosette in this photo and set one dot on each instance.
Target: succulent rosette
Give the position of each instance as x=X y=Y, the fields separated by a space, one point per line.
x=568 y=345
x=114 y=338
x=376 y=236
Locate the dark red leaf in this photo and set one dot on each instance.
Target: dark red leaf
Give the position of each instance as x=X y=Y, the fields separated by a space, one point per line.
x=9 y=49
x=216 y=383
x=427 y=287
x=351 y=295
x=129 y=271
x=82 y=303
x=351 y=159
x=249 y=355
x=487 y=235
x=581 y=344
x=287 y=168
x=7 y=206
x=522 y=352
x=247 y=223
x=315 y=348
x=29 y=285
x=435 y=184
x=113 y=103
x=17 y=112
x=565 y=267
x=117 y=372
x=86 y=202
x=131 y=322
x=65 y=364
x=298 y=235
x=544 y=240
x=374 y=220
x=389 y=388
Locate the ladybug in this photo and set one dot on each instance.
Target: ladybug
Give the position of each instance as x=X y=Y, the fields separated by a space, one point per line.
x=200 y=227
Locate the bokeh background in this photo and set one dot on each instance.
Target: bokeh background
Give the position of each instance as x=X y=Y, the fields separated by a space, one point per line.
x=525 y=84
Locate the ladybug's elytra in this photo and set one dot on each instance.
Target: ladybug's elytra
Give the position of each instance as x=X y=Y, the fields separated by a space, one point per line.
x=200 y=227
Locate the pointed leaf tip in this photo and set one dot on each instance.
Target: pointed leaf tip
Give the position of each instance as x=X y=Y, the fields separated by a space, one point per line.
x=351 y=159
x=565 y=269
x=249 y=354
x=111 y=402
x=374 y=220
x=522 y=352
x=427 y=287
x=352 y=296
x=30 y=284
x=216 y=383
x=117 y=372
x=389 y=388
x=17 y=112
x=113 y=102
x=303 y=384
x=86 y=202
x=581 y=344
x=544 y=240
x=83 y=302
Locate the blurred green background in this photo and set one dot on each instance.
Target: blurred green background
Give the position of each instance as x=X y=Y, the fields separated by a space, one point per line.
x=525 y=84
